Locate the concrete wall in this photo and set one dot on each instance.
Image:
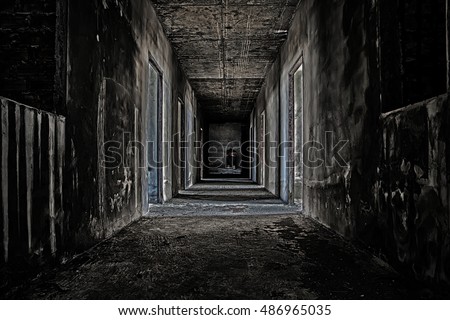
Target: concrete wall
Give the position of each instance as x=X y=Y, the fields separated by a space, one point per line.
x=110 y=44
x=333 y=41
x=341 y=97
x=409 y=220
x=366 y=198
x=412 y=193
x=34 y=225
x=103 y=92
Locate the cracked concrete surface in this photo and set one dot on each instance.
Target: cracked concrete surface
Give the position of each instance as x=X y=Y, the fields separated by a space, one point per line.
x=222 y=240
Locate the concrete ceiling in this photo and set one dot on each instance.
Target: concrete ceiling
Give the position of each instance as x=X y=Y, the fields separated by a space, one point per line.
x=226 y=48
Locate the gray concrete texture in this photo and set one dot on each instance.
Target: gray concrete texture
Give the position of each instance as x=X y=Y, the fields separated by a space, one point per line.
x=243 y=257
x=226 y=48
x=337 y=45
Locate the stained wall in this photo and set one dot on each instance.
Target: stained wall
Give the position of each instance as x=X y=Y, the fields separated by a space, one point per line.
x=345 y=131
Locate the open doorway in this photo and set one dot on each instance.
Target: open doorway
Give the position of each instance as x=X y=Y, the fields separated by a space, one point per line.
x=154 y=131
x=263 y=149
x=180 y=148
x=251 y=155
x=297 y=134
x=225 y=150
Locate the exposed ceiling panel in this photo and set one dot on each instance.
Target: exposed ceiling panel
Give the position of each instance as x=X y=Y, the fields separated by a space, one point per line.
x=226 y=48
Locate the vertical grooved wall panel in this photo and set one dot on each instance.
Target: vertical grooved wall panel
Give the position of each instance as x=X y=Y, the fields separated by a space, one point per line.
x=32 y=162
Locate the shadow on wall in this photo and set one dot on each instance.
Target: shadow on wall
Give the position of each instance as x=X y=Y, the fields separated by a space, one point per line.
x=412 y=192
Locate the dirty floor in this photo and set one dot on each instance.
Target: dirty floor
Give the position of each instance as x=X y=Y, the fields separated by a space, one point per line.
x=204 y=245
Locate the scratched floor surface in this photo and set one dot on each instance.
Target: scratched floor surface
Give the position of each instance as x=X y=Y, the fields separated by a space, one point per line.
x=221 y=240
x=243 y=257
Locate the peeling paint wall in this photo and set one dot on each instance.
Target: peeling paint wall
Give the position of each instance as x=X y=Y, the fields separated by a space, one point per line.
x=33 y=223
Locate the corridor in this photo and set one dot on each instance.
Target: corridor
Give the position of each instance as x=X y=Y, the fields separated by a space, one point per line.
x=224 y=149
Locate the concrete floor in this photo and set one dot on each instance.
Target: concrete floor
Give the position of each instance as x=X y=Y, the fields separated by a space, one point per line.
x=229 y=197
x=233 y=253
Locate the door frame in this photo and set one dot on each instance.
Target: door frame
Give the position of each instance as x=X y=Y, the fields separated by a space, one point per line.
x=291 y=160
x=159 y=132
x=181 y=152
x=263 y=148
